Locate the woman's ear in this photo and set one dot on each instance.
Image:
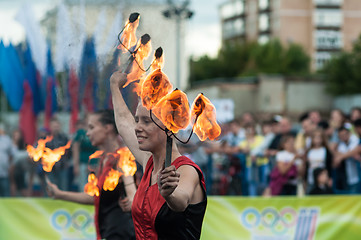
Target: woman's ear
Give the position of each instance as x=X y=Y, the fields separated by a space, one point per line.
x=109 y=128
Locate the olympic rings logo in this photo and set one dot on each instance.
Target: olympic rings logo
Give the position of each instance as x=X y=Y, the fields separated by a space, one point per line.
x=278 y=222
x=80 y=220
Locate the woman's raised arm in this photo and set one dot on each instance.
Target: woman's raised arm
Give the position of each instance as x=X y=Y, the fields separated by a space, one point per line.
x=124 y=118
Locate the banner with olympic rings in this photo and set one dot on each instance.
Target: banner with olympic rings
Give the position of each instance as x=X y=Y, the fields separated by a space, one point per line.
x=227 y=218
x=45 y=219
x=283 y=218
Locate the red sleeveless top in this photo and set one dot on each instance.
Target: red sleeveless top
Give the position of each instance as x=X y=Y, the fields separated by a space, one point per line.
x=149 y=210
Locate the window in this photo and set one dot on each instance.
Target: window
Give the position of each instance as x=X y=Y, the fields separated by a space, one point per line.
x=263 y=39
x=328 y=39
x=328 y=18
x=328 y=2
x=263 y=22
x=321 y=59
x=233 y=28
x=263 y=4
x=231 y=9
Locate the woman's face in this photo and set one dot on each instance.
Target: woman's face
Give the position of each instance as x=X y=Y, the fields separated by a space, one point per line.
x=150 y=137
x=97 y=132
x=317 y=139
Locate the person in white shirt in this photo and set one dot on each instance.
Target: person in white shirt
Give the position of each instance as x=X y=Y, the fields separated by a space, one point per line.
x=7 y=152
x=347 y=167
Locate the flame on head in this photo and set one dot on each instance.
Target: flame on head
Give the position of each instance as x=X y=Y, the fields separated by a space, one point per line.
x=173 y=111
x=126 y=162
x=111 y=180
x=206 y=125
x=143 y=50
x=154 y=88
x=50 y=157
x=91 y=187
x=128 y=37
x=37 y=153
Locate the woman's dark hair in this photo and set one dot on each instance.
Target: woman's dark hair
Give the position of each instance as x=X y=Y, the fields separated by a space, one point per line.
x=106 y=117
x=317 y=173
x=283 y=141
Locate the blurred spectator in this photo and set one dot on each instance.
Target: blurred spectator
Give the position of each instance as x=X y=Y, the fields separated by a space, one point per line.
x=327 y=129
x=283 y=128
x=61 y=170
x=21 y=167
x=303 y=138
x=81 y=150
x=7 y=152
x=347 y=176
x=317 y=156
x=289 y=166
x=355 y=114
x=337 y=120
x=322 y=182
x=315 y=116
x=235 y=135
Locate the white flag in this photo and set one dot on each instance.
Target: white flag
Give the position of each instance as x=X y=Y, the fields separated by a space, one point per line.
x=34 y=36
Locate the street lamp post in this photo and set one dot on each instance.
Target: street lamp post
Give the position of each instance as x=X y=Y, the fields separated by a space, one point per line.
x=178 y=11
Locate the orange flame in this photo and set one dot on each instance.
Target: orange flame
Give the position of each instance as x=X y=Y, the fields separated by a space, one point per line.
x=37 y=153
x=173 y=111
x=157 y=63
x=128 y=37
x=126 y=162
x=206 y=125
x=50 y=157
x=91 y=187
x=111 y=181
x=140 y=55
x=154 y=88
x=97 y=154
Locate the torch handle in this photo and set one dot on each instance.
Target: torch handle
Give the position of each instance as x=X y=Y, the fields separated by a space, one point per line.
x=168 y=154
x=128 y=65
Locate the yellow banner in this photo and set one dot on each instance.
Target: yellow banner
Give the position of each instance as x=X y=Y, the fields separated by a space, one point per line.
x=281 y=218
x=227 y=218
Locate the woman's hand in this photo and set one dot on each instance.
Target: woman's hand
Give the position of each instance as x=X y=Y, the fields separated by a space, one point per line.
x=53 y=190
x=118 y=79
x=125 y=204
x=168 y=181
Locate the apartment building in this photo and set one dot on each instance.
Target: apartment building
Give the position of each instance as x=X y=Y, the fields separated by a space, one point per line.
x=322 y=27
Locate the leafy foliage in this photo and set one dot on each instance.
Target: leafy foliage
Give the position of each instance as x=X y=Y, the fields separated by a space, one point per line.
x=250 y=59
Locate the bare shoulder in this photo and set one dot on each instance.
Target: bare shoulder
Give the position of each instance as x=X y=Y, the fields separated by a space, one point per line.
x=189 y=172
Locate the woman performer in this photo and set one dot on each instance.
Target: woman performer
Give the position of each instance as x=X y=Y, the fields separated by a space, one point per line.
x=113 y=219
x=170 y=202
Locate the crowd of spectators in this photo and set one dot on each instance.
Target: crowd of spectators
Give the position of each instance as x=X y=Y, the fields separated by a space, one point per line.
x=314 y=154
x=277 y=156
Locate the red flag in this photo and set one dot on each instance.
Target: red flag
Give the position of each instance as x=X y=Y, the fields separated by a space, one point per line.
x=27 y=119
x=48 y=104
x=88 y=98
x=73 y=90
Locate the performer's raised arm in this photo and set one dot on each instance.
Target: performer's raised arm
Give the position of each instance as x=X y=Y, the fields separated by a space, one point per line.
x=124 y=119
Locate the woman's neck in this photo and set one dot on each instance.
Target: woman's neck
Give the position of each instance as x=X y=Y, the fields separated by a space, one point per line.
x=159 y=157
x=111 y=144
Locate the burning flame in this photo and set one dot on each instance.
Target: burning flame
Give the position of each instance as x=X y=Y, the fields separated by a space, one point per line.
x=206 y=124
x=91 y=187
x=173 y=111
x=97 y=154
x=142 y=52
x=128 y=37
x=126 y=161
x=154 y=88
x=37 y=153
x=50 y=157
x=111 y=181
x=158 y=60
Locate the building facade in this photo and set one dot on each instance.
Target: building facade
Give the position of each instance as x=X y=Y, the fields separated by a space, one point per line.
x=322 y=27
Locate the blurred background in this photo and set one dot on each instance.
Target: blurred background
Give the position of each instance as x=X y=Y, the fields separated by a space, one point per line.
x=283 y=75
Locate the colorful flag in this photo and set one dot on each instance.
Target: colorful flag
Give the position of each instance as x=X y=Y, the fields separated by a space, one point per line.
x=27 y=118
x=50 y=103
x=73 y=86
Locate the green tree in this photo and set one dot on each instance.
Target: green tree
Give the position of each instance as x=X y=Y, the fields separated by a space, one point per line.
x=343 y=72
x=251 y=59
